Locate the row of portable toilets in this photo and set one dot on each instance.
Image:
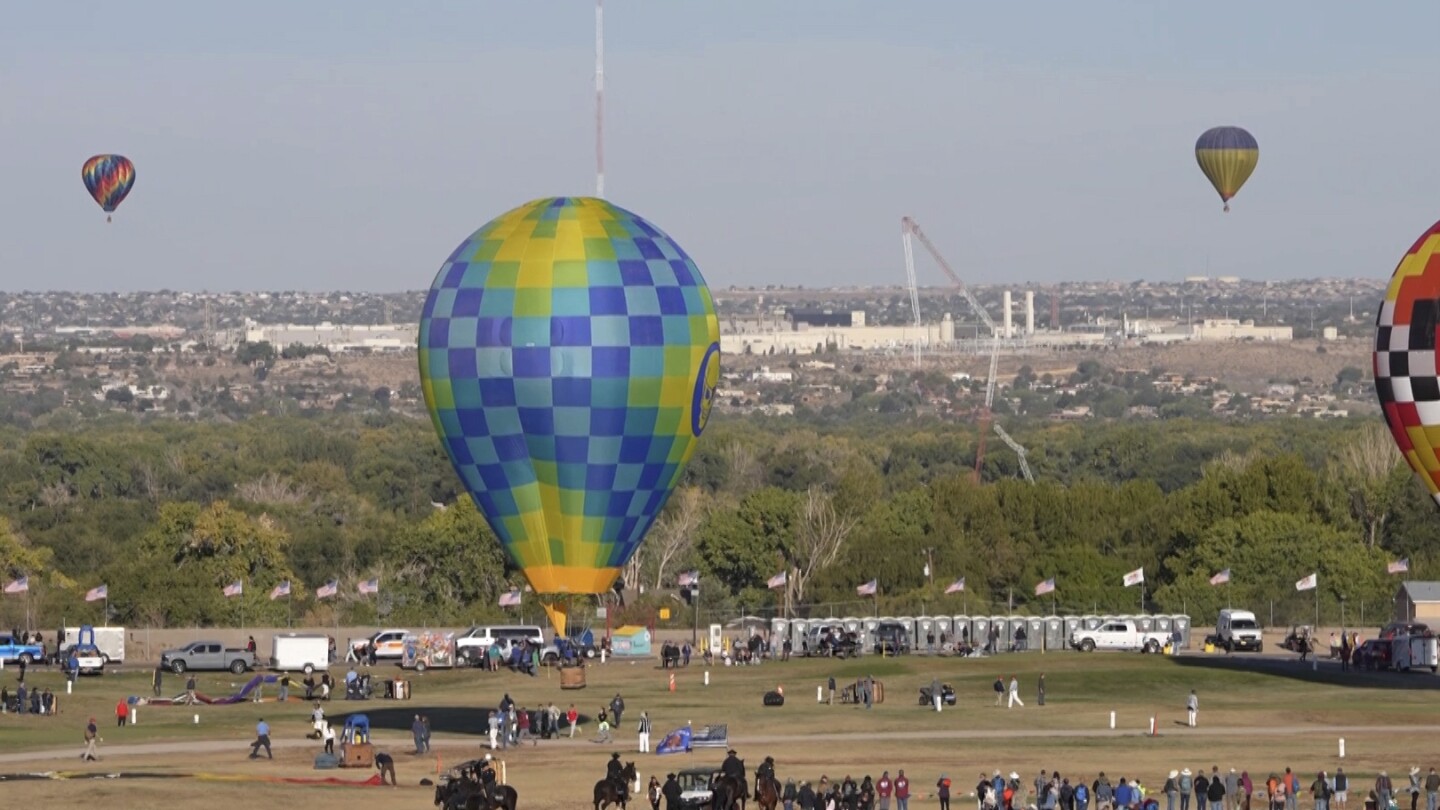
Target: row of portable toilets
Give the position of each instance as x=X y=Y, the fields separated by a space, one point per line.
x=1054 y=630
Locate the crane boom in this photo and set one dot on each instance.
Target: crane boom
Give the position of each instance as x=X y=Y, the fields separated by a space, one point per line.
x=909 y=228
x=914 y=290
x=1019 y=452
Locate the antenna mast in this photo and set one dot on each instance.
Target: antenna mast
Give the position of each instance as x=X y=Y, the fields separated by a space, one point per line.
x=599 y=99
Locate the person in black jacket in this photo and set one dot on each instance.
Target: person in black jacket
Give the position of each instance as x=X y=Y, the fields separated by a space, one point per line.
x=671 y=791
x=1202 y=789
x=806 y=796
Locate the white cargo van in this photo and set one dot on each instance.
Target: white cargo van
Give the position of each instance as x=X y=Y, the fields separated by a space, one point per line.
x=477 y=639
x=299 y=652
x=1238 y=630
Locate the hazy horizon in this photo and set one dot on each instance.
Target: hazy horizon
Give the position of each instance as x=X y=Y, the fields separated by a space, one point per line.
x=334 y=146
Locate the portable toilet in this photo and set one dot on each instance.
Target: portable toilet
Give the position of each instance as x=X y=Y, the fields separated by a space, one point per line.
x=912 y=630
x=1144 y=624
x=944 y=629
x=960 y=630
x=1164 y=624
x=1002 y=626
x=852 y=624
x=799 y=629
x=1054 y=633
x=926 y=636
x=1091 y=622
x=1034 y=632
x=1072 y=624
x=1180 y=625
x=979 y=630
x=779 y=634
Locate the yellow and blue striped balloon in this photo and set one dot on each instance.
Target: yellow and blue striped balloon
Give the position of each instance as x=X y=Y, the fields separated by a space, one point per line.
x=569 y=355
x=1227 y=155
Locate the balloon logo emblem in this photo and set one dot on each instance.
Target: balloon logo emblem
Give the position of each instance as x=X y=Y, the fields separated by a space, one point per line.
x=705 y=384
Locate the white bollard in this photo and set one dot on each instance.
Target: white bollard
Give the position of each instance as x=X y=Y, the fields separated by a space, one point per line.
x=1342 y=747
x=1152 y=726
x=819 y=694
x=68 y=684
x=937 y=702
x=197 y=719
x=1112 y=720
x=134 y=715
x=602 y=655
x=707 y=677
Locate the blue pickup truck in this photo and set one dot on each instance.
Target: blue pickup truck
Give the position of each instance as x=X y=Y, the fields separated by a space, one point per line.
x=12 y=651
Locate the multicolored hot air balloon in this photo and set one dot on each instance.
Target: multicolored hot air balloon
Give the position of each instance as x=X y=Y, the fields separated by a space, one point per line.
x=1227 y=155
x=1406 y=380
x=108 y=178
x=569 y=353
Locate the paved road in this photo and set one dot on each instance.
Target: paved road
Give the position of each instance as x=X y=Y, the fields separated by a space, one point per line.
x=110 y=752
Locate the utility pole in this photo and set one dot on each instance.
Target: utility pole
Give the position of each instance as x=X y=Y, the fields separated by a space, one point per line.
x=929 y=566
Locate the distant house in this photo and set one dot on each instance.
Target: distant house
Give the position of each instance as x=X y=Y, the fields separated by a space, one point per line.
x=1418 y=601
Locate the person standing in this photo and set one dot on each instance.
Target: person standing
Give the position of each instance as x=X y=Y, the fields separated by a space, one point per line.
x=284 y=688
x=652 y=792
x=190 y=689
x=1292 y=789
x=1040 y=690
x=572 y=717
x=92 y=736
x=157 y=680
x=494 y=723
x=884 y=789
x=327 y=733
x=1215 y=791
x=1342 y=788
x=942 y=792
x=671 y=791
x=832 y=690
x=1172 y=789
x=617 y=708
x=122 y=713
x=902 y=791
x=790 y=793
x=262 y=740
x=417 y=731
x=386 y=765
x=645 y=740
x=1432 y=790
x=1414 y=788
x=1192 y=707
x=1320 y=789
x=1015 y=693
x=999 y=691
x=1232 y=790
x=1384 y=790
x=425 y=737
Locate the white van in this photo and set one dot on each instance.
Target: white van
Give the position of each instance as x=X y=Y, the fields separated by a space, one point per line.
x=299 y=652
x=481 y=637
x=1238 y=630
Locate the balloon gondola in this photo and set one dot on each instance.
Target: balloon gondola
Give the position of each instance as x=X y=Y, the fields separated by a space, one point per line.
x=569 y=354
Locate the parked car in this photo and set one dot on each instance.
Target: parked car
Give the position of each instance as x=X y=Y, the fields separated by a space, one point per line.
x=88 y=658
x=1118 y=634
x=1372 y=654
x=207 y=655
x=1238 y=630
x=891 y=638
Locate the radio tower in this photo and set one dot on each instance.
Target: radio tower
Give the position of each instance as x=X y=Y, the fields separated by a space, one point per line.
x=599 y=99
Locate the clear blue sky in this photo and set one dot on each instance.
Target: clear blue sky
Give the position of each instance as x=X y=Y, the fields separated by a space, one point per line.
x=353 y=144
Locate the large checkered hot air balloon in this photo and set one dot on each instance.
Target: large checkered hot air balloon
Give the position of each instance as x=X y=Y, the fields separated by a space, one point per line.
x=569 y=353
x=1405 y=373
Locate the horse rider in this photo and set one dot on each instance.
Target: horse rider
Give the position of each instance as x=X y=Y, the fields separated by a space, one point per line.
x=735 y=769
x=764 y=774
x=487 y=778
x=614 y=771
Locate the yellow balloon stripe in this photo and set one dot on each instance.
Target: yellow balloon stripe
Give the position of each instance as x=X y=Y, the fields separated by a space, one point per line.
x=1228 y=169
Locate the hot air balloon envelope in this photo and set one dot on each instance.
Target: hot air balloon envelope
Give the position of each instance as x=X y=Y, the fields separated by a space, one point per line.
x=1227 y=155
x=569 y=353
x=1405 y=372
x=108 y=178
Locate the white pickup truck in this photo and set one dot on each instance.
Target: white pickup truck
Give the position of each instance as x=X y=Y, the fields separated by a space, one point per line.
x=1118 y=634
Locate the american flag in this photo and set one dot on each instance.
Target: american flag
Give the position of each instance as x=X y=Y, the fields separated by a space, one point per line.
x=1135 y=577
x=1398 y=567
x=370 y=586
x=1308 y=583
x=327 y=590
x=1221 y=578
x=234 y=589
x=97 y=593
x=510 y=598
x=283 y=589
x=1045 y=587
x=777 y=581
x=688 y=578
x=20 y=585
x=957 y=586
x=869 y=588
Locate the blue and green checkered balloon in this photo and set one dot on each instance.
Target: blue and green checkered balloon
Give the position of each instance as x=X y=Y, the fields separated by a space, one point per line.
x=569 y=354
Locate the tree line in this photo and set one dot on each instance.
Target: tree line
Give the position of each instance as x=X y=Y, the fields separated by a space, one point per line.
x=166 y=513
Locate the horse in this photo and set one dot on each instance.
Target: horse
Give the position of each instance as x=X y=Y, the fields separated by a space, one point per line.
x=767 y=792
x=728 y=791
x=609 y=791
x=505 y=798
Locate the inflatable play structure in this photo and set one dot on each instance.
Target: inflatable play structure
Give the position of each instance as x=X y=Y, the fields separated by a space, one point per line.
x=183 y=700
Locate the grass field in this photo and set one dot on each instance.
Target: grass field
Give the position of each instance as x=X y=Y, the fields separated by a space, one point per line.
x=1264 y=718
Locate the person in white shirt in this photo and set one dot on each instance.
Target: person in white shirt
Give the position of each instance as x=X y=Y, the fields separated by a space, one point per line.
x=1015 y=693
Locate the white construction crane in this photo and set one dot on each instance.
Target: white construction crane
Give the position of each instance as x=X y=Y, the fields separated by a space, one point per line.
x=1019 y=452
x=908 y=229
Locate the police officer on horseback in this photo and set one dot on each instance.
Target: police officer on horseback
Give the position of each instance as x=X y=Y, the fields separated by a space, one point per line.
x=614 y=771
x=487 y=778
x=733 y=768
x=764 y=774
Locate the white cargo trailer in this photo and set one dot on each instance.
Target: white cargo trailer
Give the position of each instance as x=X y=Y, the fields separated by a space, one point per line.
x=109 y=640
x=300 y=652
